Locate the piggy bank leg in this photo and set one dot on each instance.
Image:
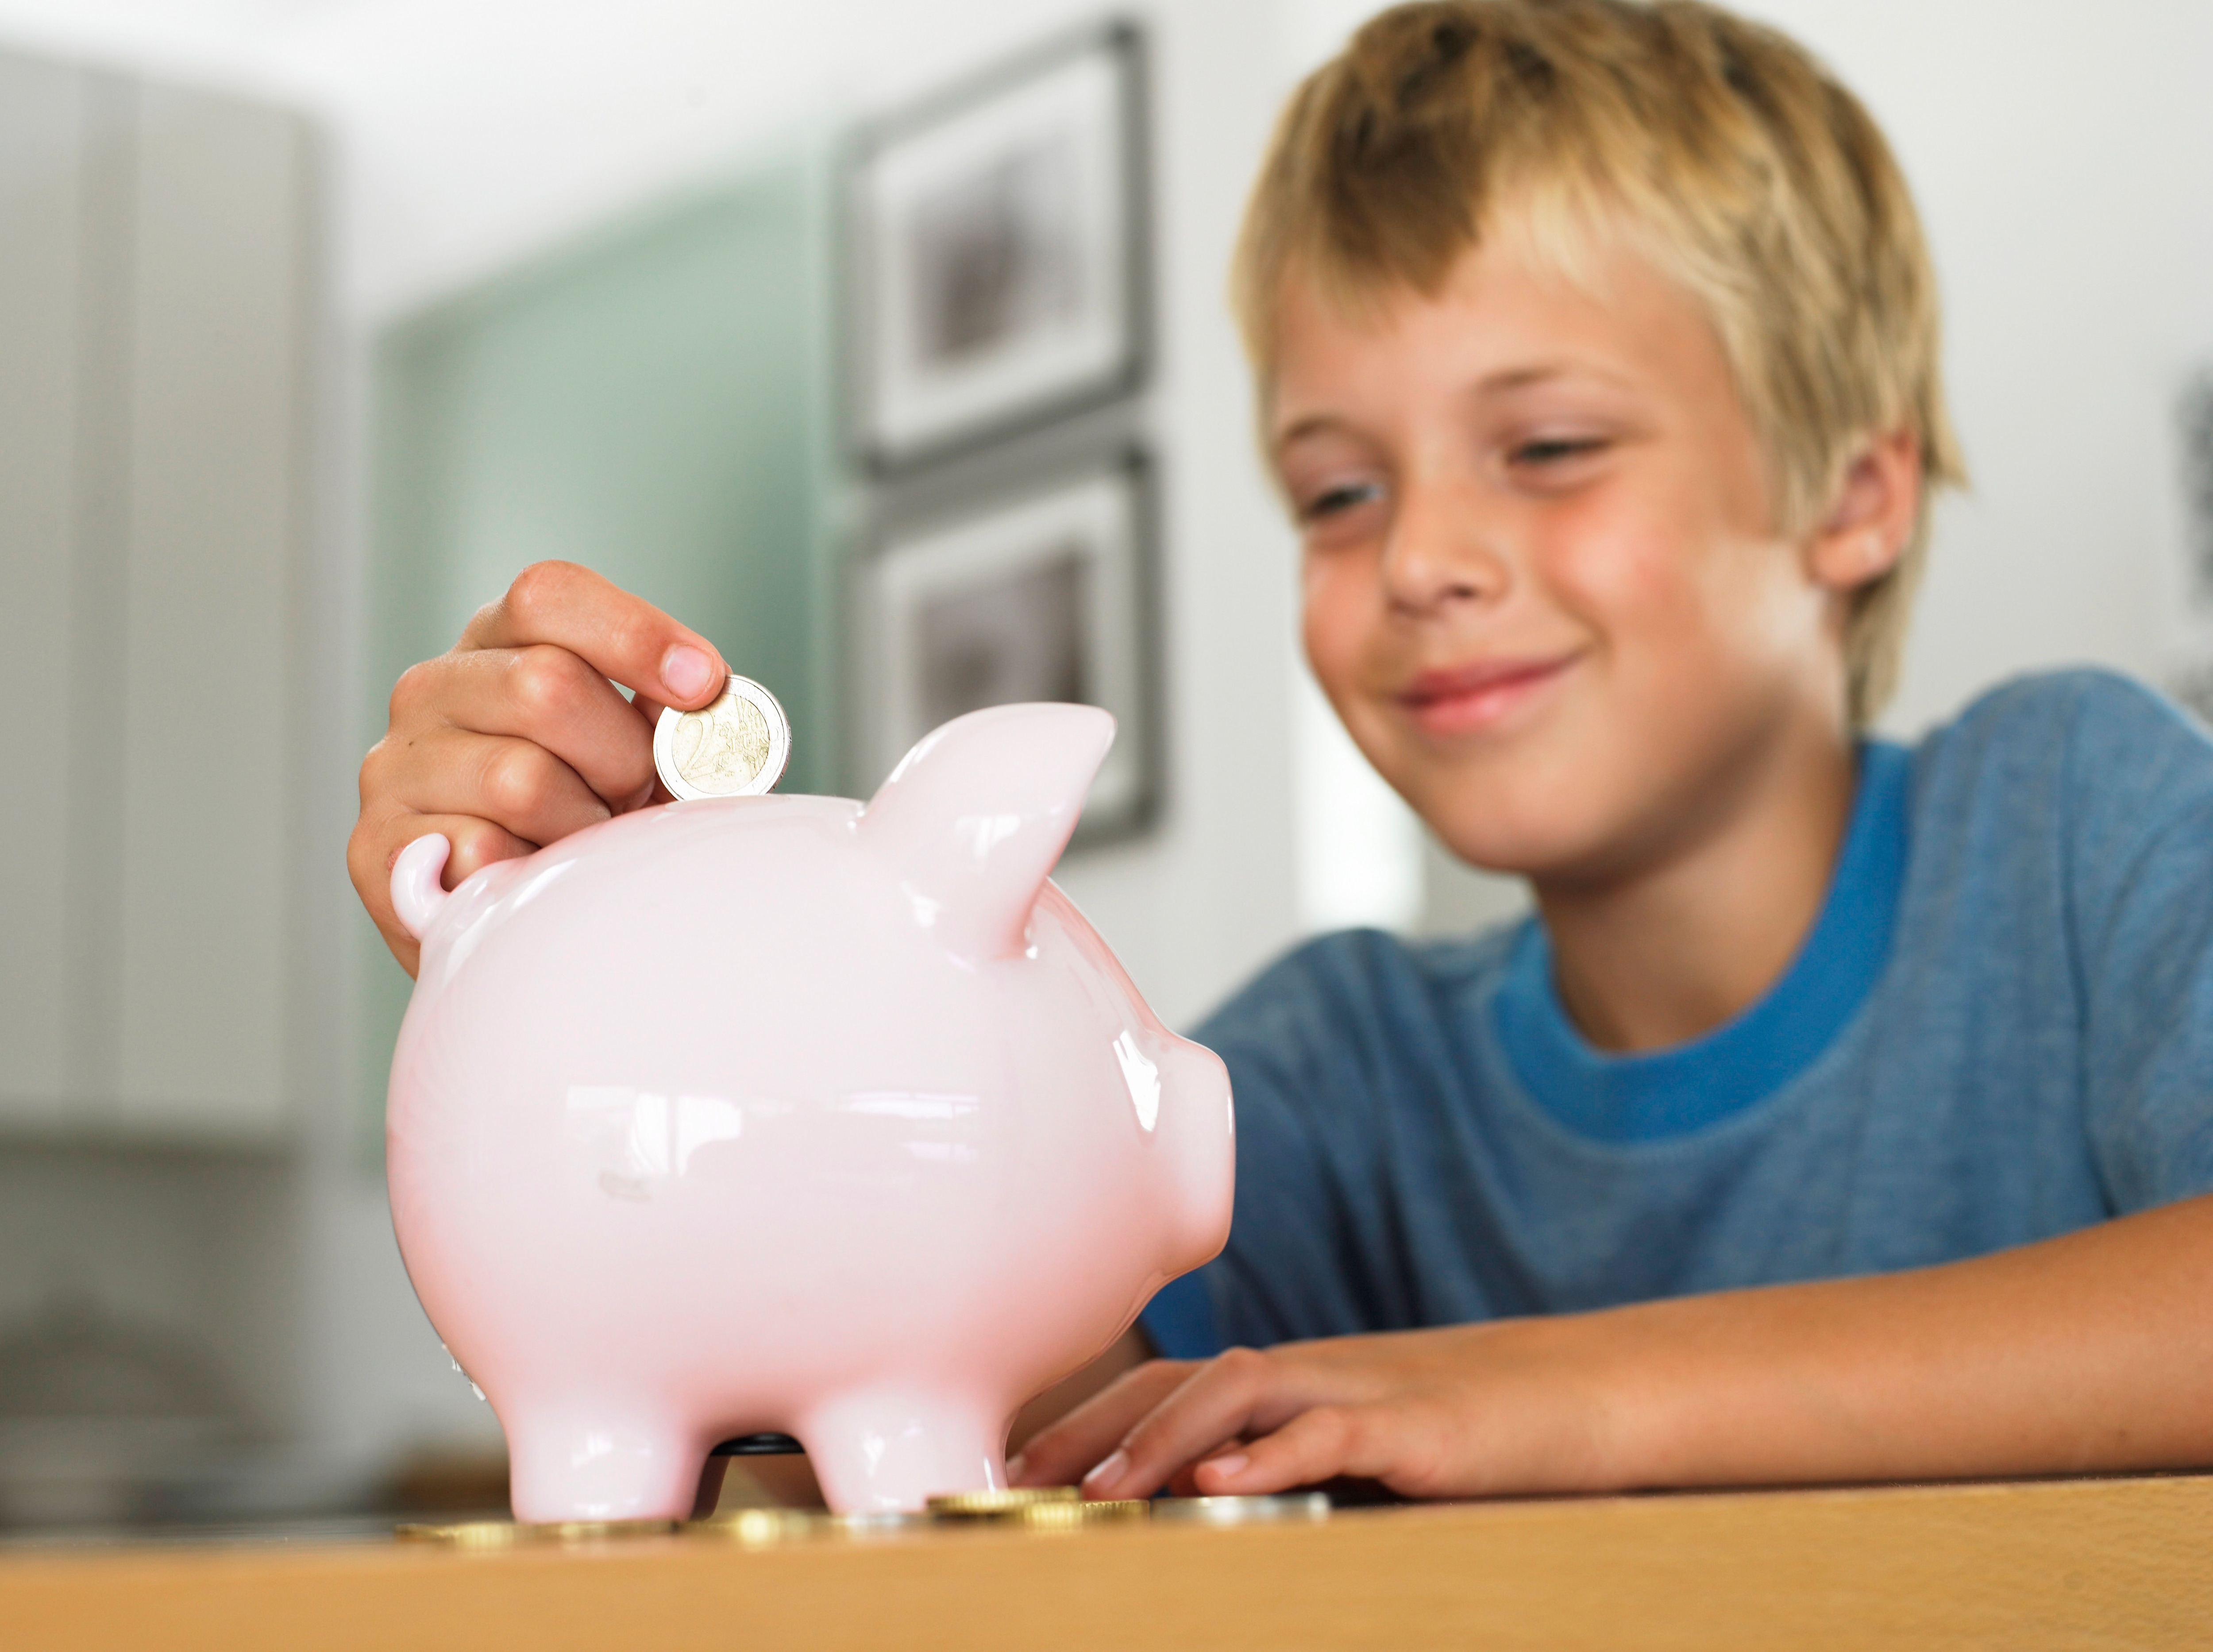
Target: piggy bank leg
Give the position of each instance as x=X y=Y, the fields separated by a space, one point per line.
x=883 y=1450
x=595 y=1464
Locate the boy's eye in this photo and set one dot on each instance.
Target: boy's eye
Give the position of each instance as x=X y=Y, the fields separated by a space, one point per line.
x=1553 y=450
x=1332 y=502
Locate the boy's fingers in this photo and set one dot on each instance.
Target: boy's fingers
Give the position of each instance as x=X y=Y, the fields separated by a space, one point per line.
x=1218 y=1405
x=1313 y=1447
x=1237 y=1393
x=1061 y=1453
x=545 y=695
x=376 y=842
x=476 y=844
x=514 y=783
x=618 y=635
x=648 y=711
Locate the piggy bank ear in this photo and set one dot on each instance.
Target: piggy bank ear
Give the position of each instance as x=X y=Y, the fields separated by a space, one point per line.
x=973 y=818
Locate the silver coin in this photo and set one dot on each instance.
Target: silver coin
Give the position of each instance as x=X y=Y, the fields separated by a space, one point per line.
x=735 y=747
x=1243 y=1511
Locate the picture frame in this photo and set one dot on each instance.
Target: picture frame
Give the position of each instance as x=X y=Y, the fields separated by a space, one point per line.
x=2188 y=563
x=998 y=259
x=1046 y=590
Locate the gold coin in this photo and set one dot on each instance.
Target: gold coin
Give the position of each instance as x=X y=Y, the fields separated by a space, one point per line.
x=469 y=1535
x=509 y=1534
x=761 y=1528
x=969 y=1505
x=601 y=1531
x=1073 y=1516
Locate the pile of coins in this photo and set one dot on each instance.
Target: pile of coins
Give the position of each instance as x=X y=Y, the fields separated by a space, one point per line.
x=764 y=1528
x=1050 y=1509
x=481 y=1534
x=1040 y=1508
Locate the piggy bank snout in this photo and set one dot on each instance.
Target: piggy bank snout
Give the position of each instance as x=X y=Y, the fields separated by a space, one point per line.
x=1199 y=1124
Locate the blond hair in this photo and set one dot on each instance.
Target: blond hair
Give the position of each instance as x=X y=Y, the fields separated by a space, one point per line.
x=1719 y=149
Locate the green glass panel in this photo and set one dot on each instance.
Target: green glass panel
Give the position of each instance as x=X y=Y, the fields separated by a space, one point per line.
x=654 y=402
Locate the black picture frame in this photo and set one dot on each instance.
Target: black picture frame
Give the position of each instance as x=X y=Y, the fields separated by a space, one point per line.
x=996 y=253
x=1046 y=587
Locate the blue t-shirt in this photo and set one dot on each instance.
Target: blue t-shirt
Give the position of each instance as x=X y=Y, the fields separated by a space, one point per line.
x=2000 y=1029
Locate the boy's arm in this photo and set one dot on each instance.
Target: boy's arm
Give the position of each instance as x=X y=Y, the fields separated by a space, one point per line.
x=516 y=737
x=2089 y=1352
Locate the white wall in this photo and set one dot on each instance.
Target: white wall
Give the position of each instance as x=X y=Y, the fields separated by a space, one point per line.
x=475 y=131
x=2063 y=160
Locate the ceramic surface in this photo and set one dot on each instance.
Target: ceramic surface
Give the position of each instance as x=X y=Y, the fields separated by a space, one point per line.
x=781 y=1113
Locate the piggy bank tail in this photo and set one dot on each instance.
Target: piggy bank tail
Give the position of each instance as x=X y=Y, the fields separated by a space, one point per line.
x=417 y=892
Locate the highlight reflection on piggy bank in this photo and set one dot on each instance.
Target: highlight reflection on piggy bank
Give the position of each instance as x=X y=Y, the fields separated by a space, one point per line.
x=779 y=1113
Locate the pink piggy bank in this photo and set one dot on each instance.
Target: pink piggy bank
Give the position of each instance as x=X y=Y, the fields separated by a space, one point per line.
x=784 y=1114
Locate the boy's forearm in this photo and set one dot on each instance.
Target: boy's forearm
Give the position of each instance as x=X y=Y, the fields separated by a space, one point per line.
x=2089 y=1352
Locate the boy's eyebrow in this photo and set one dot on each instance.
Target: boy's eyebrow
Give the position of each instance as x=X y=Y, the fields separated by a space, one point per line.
x=1516 y=378
x=1312 y=424
x=1502 y=382
x=1520 y=378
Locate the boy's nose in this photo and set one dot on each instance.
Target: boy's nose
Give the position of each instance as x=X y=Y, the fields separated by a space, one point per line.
x=1439 y=553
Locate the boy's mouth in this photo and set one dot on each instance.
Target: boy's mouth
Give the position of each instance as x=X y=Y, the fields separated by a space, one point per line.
x=1469 y=698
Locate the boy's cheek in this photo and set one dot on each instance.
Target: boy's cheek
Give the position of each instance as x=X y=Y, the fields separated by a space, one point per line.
x=1343 y=648
x=1618 y=569
x=1337 y=623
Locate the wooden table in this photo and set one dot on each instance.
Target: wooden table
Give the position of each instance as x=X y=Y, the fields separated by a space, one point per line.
x=2125 y=1563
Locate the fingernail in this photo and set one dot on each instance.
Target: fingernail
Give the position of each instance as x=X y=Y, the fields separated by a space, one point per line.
x=685 y=672
x=1227 y=1468
x=1014 y=1467
x=1106 y=1473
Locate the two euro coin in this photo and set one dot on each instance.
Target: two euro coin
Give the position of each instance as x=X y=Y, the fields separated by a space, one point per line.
x=736 y=748
x=1035 y=1508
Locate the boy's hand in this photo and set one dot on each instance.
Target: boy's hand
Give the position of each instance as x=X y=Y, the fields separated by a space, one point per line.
x=1465 y=1410
x=2086 y=1353
x=516 y=737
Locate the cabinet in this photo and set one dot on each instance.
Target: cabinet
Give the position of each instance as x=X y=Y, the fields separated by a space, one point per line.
x=156 y=304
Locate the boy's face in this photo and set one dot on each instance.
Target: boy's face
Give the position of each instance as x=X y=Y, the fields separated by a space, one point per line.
x=1542 y=585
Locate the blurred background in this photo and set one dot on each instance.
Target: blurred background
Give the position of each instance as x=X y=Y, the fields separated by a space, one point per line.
x=885 y=343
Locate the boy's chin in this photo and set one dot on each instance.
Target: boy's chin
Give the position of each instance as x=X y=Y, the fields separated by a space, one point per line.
x=1542 y=842
x=1547 y=805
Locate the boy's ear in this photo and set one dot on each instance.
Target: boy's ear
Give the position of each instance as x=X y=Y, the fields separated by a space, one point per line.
x=1871 y=516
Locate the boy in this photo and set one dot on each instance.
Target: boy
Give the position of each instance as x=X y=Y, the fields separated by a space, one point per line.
x=1846 y=1112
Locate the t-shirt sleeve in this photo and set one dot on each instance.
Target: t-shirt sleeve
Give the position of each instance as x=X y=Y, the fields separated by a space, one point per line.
x=2141 y=877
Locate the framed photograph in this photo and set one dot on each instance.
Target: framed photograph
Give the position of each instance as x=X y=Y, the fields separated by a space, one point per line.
x=996 y=253
x=1045 y=593
x=2189 y=581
